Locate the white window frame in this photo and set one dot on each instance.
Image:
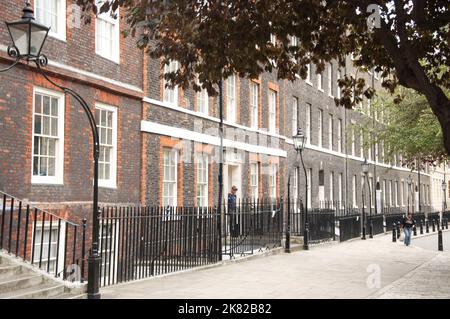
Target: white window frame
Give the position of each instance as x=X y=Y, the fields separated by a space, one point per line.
x=330 y=132
x=331 y=188
x=231 y=98
x=402 y=193
x=114 y=56
x=320 y=128
x=330 y=80
x=354 y=192
x=115 y=252
x=273 y=181
x=308 y=74
x=204 y=160
x=340 y=191
x=339 y=139
x=320 y=82
x=37 y=250
x=338 y=89
x=254 y=104
x=59 y=162
x=272 y=96
x=60 y=19
x=203 y=102
x=112 y=182
x=254 y=175
x=169 y=93
x=172 y=152
x=308 y=123
x=294 y=115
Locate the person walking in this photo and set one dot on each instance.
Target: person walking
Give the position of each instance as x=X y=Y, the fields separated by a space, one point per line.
x=408 y=224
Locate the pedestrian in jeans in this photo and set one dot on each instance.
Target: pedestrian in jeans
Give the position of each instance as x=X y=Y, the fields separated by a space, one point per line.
x=407 y=224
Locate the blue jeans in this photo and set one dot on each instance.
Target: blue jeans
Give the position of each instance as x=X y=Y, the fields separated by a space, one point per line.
x=407 y=235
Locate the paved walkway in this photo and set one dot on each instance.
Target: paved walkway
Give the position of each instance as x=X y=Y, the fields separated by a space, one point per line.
x=374 y=268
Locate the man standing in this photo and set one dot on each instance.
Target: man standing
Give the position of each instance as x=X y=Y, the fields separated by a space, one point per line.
x=234 y=226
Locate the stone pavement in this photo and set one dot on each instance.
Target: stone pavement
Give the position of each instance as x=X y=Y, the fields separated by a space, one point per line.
x=374 y=268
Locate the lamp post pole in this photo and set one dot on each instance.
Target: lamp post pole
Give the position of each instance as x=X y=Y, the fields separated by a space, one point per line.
x=306 y=230
x=287 y=248
x=363 y=214
x=219 y=223
x=30 y=51
x=444 y=200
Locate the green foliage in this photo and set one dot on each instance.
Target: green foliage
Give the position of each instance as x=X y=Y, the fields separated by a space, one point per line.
x=405 y=125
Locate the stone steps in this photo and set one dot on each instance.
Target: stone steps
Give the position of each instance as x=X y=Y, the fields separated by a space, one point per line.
x=21 y=281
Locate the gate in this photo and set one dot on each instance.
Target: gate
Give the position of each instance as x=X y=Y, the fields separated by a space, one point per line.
x=252 y=226
x=349 y=227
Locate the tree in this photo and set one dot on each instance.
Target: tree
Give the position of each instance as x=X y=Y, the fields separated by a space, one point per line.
x=406 y=127
x=407 y=41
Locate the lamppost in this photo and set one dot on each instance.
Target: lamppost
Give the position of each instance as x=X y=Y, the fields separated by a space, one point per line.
x=365 y=170
x=444 y=200
x=409 y=182
x=28 y=39
x=299 y=145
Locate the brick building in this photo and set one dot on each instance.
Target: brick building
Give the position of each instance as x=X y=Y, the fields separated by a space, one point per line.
x=160 y=145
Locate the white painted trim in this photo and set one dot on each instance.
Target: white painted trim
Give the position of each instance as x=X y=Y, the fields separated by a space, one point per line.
x=61 y=20
x=355 y=158
x=209 y=117
x=114 y=56
x=112 y=182
x=176 y=132
x=91 y=75
x=58 y=179
x=62 y=235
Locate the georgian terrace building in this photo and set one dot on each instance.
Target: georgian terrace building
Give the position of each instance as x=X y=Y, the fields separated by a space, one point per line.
x=159 y=146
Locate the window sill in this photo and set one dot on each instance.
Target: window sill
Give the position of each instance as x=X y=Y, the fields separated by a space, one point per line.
x=110 y=59
x=46 y=183
x=58 y=37
x=331 y=96
x=106 y=185
x=309 y=83
x=321 y=90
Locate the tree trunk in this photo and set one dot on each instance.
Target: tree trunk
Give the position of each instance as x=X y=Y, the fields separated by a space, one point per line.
x=440 y=105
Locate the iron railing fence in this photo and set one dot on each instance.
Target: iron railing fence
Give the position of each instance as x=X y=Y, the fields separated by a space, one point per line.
x=349 y=227
x=253 y=225
x=142 y=241
x=377 y=224
x=43 y=239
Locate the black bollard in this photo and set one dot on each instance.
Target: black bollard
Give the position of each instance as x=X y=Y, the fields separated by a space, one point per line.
x=421 y=227
x=398 y=230
x=446 y=223
x=440 y=246
x=433 y=226
x=427 y=227
x=394 y=236
x=415 y=230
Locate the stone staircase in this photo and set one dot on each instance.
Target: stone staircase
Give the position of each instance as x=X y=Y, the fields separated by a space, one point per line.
x=21 y=281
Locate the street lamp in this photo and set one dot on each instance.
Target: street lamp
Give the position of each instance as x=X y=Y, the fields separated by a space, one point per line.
x=444 y=199
x=409 y=182
x=28 y=39
x=299 y=145
x=365 y=170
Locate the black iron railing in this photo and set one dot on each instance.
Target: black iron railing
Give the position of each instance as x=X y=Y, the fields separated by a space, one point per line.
x=143 y=241
x=139 y=242
x=43 y=239
x=253 y=225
